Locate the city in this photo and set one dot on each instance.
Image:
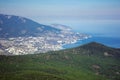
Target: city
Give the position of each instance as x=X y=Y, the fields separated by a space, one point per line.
x=39 y=44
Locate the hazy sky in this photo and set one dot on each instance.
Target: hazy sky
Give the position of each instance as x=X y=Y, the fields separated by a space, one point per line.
x=85 y=15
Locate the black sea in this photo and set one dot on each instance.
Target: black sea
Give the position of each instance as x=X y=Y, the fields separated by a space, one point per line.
x=109 y=41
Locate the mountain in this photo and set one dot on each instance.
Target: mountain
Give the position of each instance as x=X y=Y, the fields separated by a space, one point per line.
x=92 y=61
x=16 y=26
x=98 y=48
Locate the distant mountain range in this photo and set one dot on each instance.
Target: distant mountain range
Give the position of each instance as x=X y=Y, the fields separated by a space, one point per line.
x=16 y=26
x=92 y=61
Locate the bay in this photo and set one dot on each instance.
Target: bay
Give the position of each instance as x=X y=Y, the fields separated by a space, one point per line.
x=108 y=41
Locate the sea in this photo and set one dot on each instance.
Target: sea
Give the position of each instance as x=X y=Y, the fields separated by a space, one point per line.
x=108 y=41
x=106 y=32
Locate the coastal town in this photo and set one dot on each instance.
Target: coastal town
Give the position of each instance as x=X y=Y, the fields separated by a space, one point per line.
x=29 y=37
x=39 y=44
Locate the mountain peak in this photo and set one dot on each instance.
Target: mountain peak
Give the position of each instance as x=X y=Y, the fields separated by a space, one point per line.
x=94 y=45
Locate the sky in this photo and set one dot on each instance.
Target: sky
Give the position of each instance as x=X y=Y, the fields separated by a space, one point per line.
x=89 y=16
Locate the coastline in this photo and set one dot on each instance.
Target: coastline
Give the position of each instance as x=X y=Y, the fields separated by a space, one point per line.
x=75 y=43
x=109 y=41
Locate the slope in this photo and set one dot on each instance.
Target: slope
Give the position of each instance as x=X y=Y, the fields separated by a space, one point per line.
x=16 y=26
x=92 y=61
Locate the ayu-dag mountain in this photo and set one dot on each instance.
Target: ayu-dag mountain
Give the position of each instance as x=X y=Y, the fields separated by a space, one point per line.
x=19 y=35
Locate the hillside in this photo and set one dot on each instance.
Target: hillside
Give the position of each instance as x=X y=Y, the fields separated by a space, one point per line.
x=16 y=26
x=92 y=61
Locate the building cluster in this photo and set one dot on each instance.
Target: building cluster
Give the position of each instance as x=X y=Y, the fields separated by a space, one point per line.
x=39 y=44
